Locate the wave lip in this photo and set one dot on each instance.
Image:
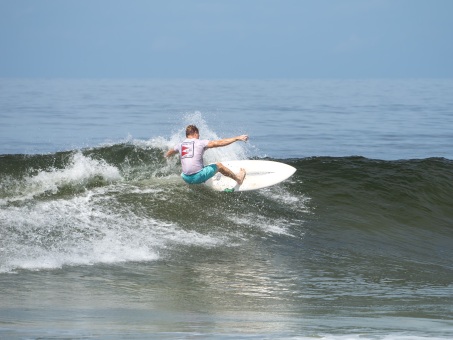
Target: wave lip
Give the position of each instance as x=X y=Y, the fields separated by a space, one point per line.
x=79 y=172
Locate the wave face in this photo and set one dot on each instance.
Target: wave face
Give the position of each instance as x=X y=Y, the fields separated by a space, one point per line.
x=125 y=202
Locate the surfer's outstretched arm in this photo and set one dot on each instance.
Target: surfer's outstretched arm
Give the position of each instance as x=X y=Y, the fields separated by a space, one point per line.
x=226 y=141
x=170 y=153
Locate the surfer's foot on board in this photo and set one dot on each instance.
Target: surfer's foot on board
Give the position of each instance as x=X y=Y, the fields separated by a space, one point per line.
x=240 y=176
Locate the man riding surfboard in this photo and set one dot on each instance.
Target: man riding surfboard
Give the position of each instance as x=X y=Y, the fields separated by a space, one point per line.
x=191 y=152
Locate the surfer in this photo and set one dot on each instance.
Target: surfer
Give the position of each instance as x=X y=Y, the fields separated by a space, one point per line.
x=191 y=152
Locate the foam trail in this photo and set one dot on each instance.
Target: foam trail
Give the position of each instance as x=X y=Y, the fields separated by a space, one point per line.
x=86 y=230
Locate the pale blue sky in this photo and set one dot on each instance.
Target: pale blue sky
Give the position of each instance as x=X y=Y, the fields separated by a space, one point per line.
x=227 y=39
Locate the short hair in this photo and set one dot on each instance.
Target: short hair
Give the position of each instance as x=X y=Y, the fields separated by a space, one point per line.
x=191 y=129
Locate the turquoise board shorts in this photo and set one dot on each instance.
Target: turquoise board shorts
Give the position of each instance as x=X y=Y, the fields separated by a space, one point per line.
x=201 y=176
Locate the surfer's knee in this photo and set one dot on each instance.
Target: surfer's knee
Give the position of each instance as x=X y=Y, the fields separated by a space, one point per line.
x=221 y=168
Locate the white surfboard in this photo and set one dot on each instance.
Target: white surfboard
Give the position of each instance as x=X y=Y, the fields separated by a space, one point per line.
x=259 y=174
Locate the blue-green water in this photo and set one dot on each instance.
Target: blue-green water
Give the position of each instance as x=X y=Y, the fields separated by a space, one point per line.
x=99 y=237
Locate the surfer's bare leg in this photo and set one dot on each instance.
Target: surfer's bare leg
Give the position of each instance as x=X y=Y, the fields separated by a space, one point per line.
x=239 y=177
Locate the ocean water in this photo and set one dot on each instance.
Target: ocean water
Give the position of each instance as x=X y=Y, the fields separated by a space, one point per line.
x=100 y=238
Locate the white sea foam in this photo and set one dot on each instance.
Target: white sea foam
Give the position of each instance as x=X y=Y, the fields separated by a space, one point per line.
x=78 y=173
x=280 y=195
x=265 y=224
x=80 y=170
x=88 y=229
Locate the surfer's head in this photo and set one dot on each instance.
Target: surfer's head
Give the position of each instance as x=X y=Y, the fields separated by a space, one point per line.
x=191 y=130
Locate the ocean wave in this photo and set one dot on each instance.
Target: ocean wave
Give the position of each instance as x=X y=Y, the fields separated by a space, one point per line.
x=126 y=202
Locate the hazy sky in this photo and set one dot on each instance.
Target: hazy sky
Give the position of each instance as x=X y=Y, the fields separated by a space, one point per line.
x=226 y=38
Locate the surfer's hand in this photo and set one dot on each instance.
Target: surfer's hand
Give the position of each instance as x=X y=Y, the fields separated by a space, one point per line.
x=170 y=153
x=243 y=138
